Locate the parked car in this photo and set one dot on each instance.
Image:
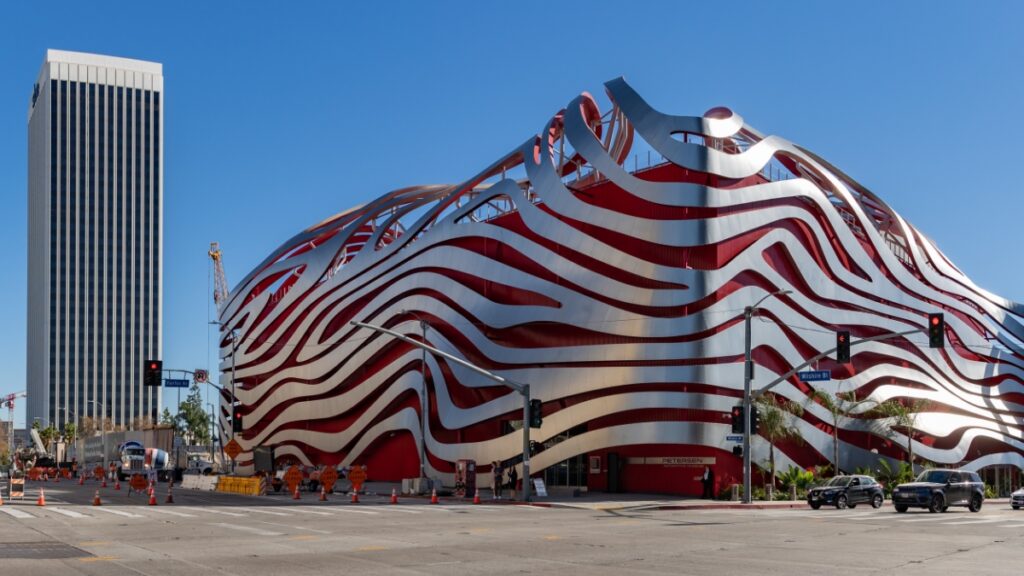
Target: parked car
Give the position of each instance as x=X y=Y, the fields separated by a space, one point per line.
x=1017 y=499
x=939 y=489
x=847 y=492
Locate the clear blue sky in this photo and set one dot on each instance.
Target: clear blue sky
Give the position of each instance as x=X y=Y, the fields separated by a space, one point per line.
x=278 y=115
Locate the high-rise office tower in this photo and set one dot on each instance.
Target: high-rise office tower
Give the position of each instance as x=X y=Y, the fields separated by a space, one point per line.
x=95 y=256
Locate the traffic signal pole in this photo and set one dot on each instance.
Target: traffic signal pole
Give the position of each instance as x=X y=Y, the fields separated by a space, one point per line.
x=520 y=387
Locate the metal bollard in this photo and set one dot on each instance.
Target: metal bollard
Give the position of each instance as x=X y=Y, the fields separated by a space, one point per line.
x=735 y=493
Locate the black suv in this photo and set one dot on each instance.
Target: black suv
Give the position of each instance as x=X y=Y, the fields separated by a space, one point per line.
x=937 y=490
x=846 y=492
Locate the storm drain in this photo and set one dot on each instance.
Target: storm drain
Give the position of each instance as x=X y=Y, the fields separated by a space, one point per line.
x=40 y=550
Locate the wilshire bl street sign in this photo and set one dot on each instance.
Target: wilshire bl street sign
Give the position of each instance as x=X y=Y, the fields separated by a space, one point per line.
x=814 y=375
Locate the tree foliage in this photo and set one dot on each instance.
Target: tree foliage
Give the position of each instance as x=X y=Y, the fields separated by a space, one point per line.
x=840 y=406
x=777 y=424
x=193 y=421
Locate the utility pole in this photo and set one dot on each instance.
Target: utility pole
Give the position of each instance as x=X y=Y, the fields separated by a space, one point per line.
x=520 y=387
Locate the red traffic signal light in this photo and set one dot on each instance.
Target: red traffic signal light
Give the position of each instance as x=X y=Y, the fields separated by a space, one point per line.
x=936 y=330
x=153 y=373
x=738 y=423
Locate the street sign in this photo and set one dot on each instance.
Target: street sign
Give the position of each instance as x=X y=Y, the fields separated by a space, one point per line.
x=233 y=449
x=138 y=482
x=357 y=475
x=814 y=375
x=176 y=383
x=201 y=376
x=292 y=478
x=735 y=438
x=328 y=477
x=539 y=488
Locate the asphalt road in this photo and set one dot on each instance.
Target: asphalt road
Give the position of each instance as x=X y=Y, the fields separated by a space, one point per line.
x=204 y=533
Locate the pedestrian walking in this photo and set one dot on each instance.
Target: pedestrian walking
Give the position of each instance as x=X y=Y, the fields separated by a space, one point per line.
x=708 y=483
x=497 y=473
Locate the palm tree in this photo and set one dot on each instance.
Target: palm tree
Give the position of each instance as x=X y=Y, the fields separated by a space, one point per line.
x=904 y=414
x=776 y=424
x=839 y=405
x=70 y=433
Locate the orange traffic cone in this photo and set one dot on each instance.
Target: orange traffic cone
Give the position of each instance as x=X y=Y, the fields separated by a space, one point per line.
x=104 y=485
x=296 y=495
x=476 y=497
x=355 y=497
x=433 y=496
x=152 y=498
x=117 y=484
x=81 y=480
x=170 y=493
x=57 y=478
x=42 y=498
x=394 y=496
x=1 y=497
x=96 y=499
x=323 y=494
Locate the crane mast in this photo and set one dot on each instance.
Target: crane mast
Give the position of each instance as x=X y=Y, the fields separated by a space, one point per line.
x=220 y=281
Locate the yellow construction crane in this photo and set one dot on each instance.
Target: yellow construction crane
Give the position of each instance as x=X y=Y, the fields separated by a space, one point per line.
x=220 y=281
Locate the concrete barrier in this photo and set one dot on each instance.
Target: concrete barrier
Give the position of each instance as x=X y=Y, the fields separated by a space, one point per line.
x=197 y=482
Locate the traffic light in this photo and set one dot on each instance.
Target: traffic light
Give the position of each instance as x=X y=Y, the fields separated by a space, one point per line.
x=737 y=450
x=737 y=420
x=535 y=448
x=535 y=415
x=755 y=420
x=843 y=346
x=236 y=419
x=153 y=373
x=936 y=330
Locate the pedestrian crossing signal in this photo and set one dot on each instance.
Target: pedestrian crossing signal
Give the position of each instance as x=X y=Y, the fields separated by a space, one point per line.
x=738 y=424
x=843 y=346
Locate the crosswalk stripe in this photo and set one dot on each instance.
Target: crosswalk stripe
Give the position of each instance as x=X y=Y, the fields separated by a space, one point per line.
x=1012 y=526
x=256 y=531
x=118 y=512
x=925 y=519
x=402 y=509
x=171 y=512
x=979 y=521
x=354 y=511
x=308 y=511
x=261 y=511
x=212 y=510
x=15 y=512
x=68 y=513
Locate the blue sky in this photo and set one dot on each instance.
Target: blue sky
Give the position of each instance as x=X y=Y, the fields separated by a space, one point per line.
x=280 y=114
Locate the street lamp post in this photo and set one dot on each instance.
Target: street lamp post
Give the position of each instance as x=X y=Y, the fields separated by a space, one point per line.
x=521 y=387
x=234 y=351
x=424 y=404
x=748 y=377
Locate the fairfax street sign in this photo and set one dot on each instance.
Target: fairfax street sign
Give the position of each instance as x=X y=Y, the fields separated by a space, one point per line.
x=169 y=383
x=814 y=375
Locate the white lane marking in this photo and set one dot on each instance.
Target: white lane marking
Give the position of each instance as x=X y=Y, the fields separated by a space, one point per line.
x=118 y=512
x=528 y=507
x=1012 y=526
x=262 y=511
x=295 y=527
x=171 y=512
x=68 y=513
x=924 y=519
x=979 y=521
x=213 y=510
x=11 y=511
x=256 y=531
x=353 y=511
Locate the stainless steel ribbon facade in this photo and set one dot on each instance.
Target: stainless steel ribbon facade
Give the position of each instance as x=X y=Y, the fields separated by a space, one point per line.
x=616 y=286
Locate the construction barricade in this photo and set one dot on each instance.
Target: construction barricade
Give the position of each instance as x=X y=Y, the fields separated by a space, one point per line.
x=250 y=486
x=196 y=482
